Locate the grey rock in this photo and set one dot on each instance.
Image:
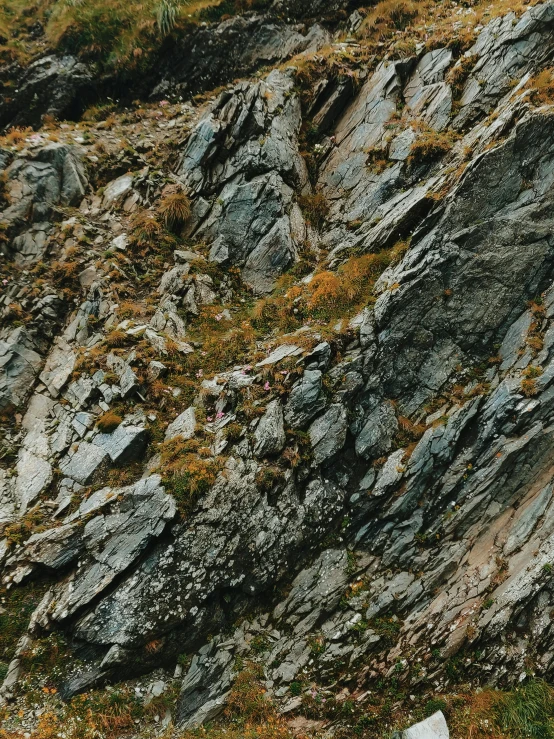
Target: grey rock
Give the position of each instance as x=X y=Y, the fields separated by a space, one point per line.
x=269 y=436
x=305 y=400
x=205 y=686
x=507 y=48
x=426 y=94
x=55 y=548
x=214 y=55
x=184 y=425
x=316 y=590
x=117 y=189
x=112 y=541
x=242 y=526
x=328 y=433
x=128 y=382
x=283 y=351
x=156 y=369
x=375 y=438
x=249 y=222
x=19 y=365
x=53 y=85
x=86 y=463
x=125 y=444
x=58 y=367
x=320 y=355
x=434 y=727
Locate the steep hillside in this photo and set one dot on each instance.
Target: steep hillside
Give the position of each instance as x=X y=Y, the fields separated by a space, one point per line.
x=276 y=368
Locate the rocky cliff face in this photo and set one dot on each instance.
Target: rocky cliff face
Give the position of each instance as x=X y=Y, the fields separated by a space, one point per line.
x=276 y=369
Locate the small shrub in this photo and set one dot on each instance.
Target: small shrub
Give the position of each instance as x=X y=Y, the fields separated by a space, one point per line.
x=390 y=16
x=259 y=644
x=109 y=422
x=4 y=192
x=387 y=627
x=542 y=87
x=528 y=384
x=247 y=699
x=315 y=208
x=145 y=230
x=65 y=272
x=459 y=73
x=377 y=159
x=233 y=432
x=116 y=338
x=266 y=477
x=295 y=688
x=430 y=146
x=166 y=15
x=184 y=473
x=174 y=208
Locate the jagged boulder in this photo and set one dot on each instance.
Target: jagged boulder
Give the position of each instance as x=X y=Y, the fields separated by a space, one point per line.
x=215 y=54
x=241 y=163
x=53 y=175
x=59 y=86
x=19 y=365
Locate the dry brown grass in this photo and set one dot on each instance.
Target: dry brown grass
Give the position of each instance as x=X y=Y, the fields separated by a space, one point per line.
x=315 y=208
x=431 y=145
x=145 y=231
x=542 y=87
x=328 y=296
x=184 y=473
x=174 y=207
x=116 y=339
x=109 y=421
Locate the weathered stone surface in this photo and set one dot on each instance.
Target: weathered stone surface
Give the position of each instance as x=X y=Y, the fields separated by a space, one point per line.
x=306 y=399
x=205 y=686
x=85 y=463
x=214 y=55
x=232 y=518
x=269 y=436
x=58 y=367
x=328 y=433
x=52 y=85
x=112 y=541
x=434 y=727
x=19 y=365
x=429 y=411
x=375 y=437
x=249 y=222
x=125 y=444
x=507 y=48
x=184 y=425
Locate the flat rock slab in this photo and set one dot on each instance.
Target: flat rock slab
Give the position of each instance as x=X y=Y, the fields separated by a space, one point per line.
x=434 y=727
x=125 y=444
x=85 y=463
x=184 y=425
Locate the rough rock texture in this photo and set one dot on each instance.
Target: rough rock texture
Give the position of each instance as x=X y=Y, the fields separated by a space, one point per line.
x=214 y=55
x=347 y=491
x=242 y=164
x=433 y=727
x=53 y=85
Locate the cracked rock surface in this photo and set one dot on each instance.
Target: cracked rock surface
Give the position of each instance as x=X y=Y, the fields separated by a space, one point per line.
x=277 y=366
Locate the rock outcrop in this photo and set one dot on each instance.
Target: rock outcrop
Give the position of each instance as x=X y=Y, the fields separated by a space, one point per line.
x=285 y=396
